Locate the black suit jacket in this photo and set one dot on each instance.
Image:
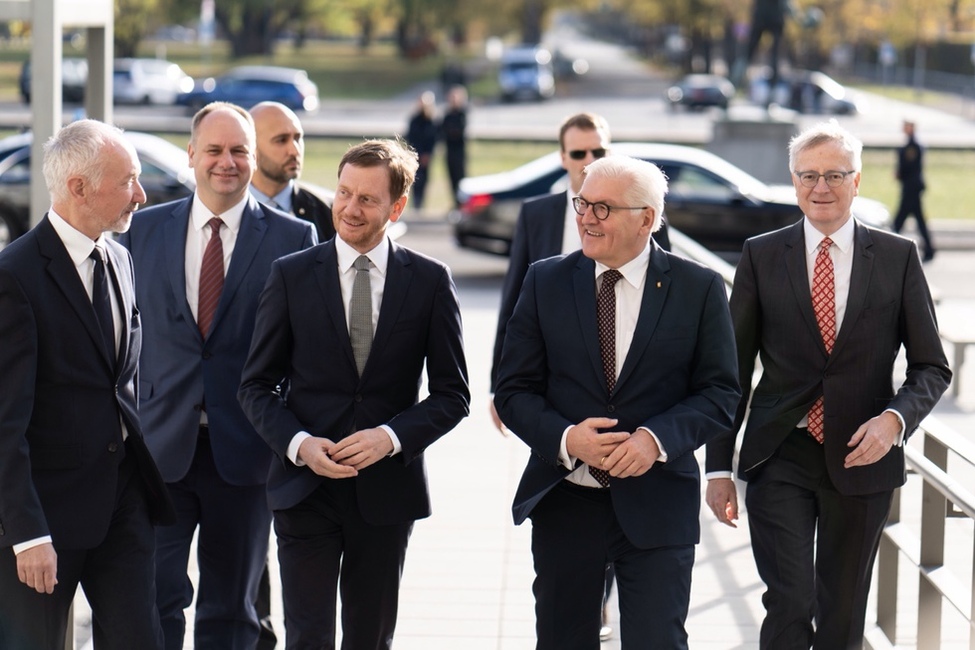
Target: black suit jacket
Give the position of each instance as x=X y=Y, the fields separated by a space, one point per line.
x=889 y=305
x=63 y=399
x=309 y=207
x=678 y=379
x=538 y=235
x=301 y=375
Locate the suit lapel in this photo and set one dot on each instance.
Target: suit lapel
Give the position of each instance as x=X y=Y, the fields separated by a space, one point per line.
x=556 y=230
x=795 y=264
x=327 y=278
x=398 y=278
x=253 y=227
x=584 y=287
x=655 y=291
x=123 y=294
x=174 y=235
x=860 y=276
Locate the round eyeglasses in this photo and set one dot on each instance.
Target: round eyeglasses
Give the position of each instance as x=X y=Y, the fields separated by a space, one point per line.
x=600 y=210
x=833 y=179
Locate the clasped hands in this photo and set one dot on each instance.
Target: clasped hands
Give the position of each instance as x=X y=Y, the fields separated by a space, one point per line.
x=344 y=459
x=620 y=453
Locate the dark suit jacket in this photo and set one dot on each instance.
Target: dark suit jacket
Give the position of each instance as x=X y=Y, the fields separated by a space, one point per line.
x=538 y=234
x=889 y=305
x=63 y=398
x=301 y=375
x=178 y=366
x=678 y=380
x=309 y=207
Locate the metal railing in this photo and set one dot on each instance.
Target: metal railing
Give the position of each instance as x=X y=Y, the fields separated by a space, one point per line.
x=920 y=544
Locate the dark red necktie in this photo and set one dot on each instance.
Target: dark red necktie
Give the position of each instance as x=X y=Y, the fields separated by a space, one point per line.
x=211 y=278
x=824 y=305
x=606 y=318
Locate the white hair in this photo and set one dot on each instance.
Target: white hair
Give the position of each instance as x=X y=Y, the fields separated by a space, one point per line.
x=75 y=151
x=645 y=183
x=826 y=133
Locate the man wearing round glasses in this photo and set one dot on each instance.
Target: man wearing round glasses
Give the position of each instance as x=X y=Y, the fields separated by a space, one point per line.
x=617 y=364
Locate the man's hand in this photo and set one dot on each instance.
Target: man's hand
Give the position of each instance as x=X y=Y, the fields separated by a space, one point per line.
x=722 y=498
x=497 y=418
x=633 y=457
x=37 y=567
x=362 y=448
x=314 y=453
x=873 y=440
x=591 y=447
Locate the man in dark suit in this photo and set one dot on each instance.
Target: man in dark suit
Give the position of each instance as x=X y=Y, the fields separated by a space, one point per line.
x=343 y=333
x=280 y=154
x=827 y=303
x=78 y=489
x=910 y=174
x=618 y=363
x=201 y=263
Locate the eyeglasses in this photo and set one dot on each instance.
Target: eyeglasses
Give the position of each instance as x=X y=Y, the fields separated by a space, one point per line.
x=579 y=154
x=833 y=179
x=600 y=210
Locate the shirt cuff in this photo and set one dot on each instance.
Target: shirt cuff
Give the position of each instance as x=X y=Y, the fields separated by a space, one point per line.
x=31 y=543
x=900 y=418
x=713 y=475
x=393 y=438
x=294 y=445
x=565 y=459
x=663 y=452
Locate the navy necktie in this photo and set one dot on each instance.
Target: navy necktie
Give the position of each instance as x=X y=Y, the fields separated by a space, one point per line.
x=102 y=302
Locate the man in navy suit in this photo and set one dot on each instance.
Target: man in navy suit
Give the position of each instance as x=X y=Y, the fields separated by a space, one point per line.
x=613 y=400
x=332 y=384
x=197 y=336
x=823 y=448
x=78 y=489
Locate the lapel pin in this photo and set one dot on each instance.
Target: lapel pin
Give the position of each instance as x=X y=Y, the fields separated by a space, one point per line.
x=658 y=285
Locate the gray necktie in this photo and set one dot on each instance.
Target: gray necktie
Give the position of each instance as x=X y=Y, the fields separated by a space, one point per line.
x=360 y=313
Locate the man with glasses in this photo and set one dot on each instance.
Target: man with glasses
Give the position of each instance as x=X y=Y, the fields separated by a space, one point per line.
x=827 y=303
x=617 y=364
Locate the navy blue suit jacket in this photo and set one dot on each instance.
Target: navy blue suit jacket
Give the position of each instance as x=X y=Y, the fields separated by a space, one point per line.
x=679 y=380
x=301 y=375
x=63 y=399
x=178 y=366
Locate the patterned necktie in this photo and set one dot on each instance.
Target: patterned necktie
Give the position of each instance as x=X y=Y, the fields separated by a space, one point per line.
x=360 y=313
x=606 y=317
x=211 y=278
x=824 y=304
x=102 y=302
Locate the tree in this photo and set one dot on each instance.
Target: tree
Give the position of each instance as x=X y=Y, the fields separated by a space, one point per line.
x=132 y=20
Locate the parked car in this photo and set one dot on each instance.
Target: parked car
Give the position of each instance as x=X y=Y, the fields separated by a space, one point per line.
x=526 y=73
x=248 y=85
x=808 y=91
x=148 y=81
x=697 y=91
x=74 y=78
x=166 y=176
x=710 y=200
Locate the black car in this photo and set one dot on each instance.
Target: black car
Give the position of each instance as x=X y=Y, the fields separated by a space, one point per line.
x=709 y=200
x=165 y=176
x=697 y=91
x=74 y=78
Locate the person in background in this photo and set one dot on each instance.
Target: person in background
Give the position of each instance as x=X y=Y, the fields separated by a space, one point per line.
x=421 y=135
x=350 y=328
x=200 y=265
x=827 y=304
x=280 y=155
x=453 y=130
x=79 y=491
x=910 y=174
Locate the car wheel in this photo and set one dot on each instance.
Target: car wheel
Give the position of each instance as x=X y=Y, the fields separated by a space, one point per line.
x=8 y=230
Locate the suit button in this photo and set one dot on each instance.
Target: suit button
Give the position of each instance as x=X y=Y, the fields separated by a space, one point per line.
x=112 y=447
x=358 y=398
x=611 y=408
x=197 y=407
x=206 y=354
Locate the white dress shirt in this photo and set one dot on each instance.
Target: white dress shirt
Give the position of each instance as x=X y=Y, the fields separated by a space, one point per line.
x=198 y=236
x=629 y=298
x=570 y=229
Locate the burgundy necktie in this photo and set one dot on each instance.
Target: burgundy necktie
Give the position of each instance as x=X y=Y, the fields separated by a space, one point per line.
x=824 y=304
x=606 y=317
x=211 y=278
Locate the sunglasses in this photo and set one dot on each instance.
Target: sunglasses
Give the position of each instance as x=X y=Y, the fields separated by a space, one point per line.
x=579 y=154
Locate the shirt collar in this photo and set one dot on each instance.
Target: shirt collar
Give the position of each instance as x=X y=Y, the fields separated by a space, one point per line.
x=282 y=199
x=200 y=214
x=634 y=271
x=379 y=256
x=78 y=244
x=842 y=238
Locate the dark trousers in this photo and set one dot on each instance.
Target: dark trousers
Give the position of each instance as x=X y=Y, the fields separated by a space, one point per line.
x=234 y=527
x=575 y=534
x=324 y=544
x=911 y=205
x=814 y=549
x=117 y=577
